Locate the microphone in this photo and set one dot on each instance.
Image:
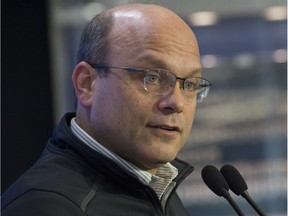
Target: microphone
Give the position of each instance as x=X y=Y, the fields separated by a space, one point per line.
x=217 y=183
x=238 y=185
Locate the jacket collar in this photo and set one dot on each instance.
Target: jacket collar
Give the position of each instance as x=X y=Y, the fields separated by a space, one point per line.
x=64 y=138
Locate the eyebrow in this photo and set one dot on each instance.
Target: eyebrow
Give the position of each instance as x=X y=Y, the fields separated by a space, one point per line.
x=163 y=65
x=154 y=61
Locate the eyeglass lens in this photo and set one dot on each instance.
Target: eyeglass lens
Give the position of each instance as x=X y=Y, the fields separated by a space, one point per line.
x=162 y=82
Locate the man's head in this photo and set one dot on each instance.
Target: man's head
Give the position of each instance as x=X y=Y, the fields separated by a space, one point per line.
x=144 y=128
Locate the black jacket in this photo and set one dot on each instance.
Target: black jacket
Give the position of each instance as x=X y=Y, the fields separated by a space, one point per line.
x=71 y=179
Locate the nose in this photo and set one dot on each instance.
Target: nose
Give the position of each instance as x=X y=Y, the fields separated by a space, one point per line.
x=174 y=102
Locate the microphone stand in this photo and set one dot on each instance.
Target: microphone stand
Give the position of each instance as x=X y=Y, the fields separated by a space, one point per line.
x=246 y=195
x=227 y=196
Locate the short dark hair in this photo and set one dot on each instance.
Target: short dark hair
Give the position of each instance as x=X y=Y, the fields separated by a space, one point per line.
x=94 y=44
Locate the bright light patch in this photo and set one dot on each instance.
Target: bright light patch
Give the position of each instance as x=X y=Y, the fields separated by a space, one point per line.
x=204 y=18
x=280 y=56
x=209 y=61
x=275 y=13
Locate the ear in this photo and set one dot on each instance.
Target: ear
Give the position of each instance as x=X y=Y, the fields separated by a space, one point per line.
x=82 y=78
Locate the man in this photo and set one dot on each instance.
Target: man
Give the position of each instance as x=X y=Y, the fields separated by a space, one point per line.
x=137 y=82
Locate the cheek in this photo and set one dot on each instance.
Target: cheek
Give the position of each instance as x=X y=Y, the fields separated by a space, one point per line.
x=189 y=116
x=119 y=107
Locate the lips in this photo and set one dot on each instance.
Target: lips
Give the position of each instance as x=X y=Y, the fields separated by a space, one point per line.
x=166 y=127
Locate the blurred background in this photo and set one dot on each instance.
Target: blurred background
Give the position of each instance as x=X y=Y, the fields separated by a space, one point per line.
x=243 y=121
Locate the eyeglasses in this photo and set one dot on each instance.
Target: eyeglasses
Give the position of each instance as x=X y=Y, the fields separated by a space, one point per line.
x=162 y=82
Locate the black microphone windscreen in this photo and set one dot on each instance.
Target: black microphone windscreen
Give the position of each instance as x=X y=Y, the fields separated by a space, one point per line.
x=214 y=180
x=234 y=179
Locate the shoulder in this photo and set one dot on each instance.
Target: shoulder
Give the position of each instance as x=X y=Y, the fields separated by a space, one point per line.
x=44 y=203
x=56 y=179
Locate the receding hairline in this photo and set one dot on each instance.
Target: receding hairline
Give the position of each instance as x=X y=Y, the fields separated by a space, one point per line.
x=151 y=17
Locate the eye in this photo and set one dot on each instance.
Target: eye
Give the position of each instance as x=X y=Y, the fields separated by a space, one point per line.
x=152 y=77
x=190 y=84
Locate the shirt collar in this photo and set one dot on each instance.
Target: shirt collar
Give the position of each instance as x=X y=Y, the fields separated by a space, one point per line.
x=164 y=175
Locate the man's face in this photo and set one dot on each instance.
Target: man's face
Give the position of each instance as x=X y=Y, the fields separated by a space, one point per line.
x=143 y=128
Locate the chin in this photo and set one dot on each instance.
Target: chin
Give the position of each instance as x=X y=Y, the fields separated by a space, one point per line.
x=155 y=161
x=165 y=159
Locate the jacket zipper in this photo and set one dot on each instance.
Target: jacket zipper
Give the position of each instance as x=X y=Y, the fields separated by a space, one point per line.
x=156 y=202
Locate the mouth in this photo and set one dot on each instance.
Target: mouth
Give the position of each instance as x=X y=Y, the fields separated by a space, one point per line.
x=166 y=127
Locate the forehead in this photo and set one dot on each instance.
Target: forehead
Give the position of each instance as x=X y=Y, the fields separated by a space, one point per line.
x=161 y=39
x=189 y=67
